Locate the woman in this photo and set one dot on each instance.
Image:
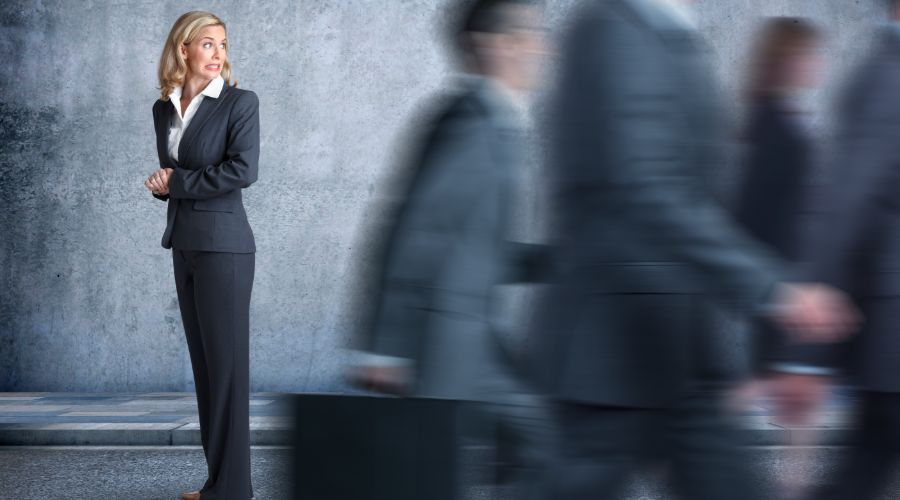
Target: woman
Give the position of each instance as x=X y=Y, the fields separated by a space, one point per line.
x=774 y=198
x=207 y=137
x=780 y=162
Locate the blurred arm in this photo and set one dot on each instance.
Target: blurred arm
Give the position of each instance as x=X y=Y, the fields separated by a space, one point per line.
x=445 y=196
x=625 y=134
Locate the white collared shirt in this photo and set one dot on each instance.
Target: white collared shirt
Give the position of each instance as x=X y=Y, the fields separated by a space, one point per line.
x=678 y=10
x=180 y=123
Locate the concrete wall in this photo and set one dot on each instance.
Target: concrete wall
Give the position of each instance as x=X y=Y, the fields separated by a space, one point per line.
x=88 y=300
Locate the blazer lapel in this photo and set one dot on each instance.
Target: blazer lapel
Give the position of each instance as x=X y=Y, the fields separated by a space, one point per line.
x=207 y=107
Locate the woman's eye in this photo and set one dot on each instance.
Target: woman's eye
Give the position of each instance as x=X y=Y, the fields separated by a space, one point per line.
x=222 y=46
x=207 y=45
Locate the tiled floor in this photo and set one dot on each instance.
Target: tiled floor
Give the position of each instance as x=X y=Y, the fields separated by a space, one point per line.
x=171 y=419
x=151 y=418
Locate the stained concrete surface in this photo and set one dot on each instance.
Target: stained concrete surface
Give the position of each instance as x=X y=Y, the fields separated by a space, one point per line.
x=87 y=301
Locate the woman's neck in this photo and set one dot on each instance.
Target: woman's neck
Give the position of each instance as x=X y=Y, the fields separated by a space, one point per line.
x=193 y=85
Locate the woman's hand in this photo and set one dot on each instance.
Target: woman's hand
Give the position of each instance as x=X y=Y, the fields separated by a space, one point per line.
x=158 y=182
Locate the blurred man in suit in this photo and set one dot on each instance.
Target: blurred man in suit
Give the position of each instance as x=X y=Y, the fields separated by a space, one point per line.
x=445 y=248
x=860 y=252
x=644 y=251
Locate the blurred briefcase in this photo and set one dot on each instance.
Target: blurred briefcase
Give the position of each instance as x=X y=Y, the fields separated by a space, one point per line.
x=376 y=448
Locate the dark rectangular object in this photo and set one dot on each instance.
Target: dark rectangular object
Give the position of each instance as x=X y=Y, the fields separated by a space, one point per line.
x=376 y=448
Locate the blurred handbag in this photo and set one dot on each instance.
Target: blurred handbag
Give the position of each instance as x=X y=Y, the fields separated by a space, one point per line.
x=376 y=448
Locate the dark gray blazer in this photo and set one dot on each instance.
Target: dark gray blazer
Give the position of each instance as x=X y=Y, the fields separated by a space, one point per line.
x=446 y=248
x=775 y=201
x=642 y=240
x=218 y=156
x=859 y=250
x=772 y=200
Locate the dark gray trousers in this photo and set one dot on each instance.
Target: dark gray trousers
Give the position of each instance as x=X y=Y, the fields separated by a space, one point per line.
x=871 y=459
x=214 y=295
x=601 y=447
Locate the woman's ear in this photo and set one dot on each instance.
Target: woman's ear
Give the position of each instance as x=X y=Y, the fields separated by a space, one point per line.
x=183 y=49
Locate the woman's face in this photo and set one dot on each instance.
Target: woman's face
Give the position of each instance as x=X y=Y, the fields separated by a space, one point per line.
x=206 y=55
x=805 y=67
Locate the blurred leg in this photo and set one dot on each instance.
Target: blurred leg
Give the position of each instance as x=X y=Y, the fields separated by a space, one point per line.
x=871 y=459
x=709 y=461
x=525 y=439
x=599 y=449
x=523 y=428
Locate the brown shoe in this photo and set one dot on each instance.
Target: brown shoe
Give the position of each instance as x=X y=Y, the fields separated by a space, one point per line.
x=191 y=495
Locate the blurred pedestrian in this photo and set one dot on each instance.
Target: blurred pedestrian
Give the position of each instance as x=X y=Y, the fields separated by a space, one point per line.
x=859 y=250
x=645 y=252
x=445 y=249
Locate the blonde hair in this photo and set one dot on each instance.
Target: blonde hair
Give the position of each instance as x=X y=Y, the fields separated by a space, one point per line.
x=172 y=66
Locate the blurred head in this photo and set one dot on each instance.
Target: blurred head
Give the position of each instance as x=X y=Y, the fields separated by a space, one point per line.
x=787 y=57
x=894 y=9
x=195 y=48
x=501 y=39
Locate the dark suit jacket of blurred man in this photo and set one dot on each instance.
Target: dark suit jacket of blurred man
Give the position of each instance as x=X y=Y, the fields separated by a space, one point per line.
x=446 y=247
x=444 y=253
x=644 y=246
x=859 y=251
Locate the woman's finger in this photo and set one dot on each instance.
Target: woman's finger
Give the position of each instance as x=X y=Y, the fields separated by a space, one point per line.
x=158 y=184
x=164 y=178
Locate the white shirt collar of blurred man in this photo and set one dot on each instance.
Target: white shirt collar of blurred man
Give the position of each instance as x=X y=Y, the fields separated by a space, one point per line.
x=513 y=106
x=678 y=10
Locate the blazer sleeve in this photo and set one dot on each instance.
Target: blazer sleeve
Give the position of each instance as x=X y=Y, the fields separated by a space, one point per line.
x=451 y=189
x=163 y=197
x=618 y=93
x=241 y=164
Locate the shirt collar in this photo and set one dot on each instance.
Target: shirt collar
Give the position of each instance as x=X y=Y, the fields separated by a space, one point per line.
x=677 y=11
x=213 y=89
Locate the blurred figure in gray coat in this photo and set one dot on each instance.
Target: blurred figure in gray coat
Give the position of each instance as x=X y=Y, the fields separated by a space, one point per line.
x=443 y=248
x=779 y=201
x=644 y=252
x=859 y=250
